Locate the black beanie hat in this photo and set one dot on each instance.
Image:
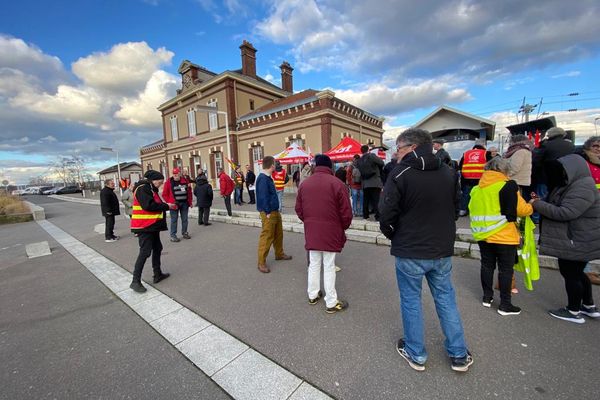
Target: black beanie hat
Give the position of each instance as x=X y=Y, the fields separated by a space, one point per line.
x=153 y=175
x=322 y=160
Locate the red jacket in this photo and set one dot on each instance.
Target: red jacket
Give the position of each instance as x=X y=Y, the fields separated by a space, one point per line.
x=350 y=180
x=324 y=206
x=226 y=184
x=167 y=192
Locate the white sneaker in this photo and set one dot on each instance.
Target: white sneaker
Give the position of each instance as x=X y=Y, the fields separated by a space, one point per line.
x=590 y=311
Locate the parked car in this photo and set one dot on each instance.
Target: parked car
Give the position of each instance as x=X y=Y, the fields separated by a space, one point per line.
x=52 y=191
x=44 y=188
x=31 y=190
x=68 y=190
x=17 y=192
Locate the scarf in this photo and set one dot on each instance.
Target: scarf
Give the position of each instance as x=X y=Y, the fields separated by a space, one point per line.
x=513 y=148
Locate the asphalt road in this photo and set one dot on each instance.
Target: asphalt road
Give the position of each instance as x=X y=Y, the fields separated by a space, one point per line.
x=351 y=355
x=63 y=335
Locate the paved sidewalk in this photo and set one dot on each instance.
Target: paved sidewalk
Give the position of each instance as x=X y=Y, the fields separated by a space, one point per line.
x=352 y=355
x=64 y=335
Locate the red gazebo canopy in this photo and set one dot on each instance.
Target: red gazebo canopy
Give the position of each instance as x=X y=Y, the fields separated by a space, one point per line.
x=346 y=149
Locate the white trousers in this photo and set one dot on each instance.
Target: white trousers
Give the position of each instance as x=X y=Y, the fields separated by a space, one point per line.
x=314 y=276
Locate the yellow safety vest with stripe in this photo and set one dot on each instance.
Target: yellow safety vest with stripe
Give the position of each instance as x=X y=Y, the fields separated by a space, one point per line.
x=484 y=211
x=141 y=218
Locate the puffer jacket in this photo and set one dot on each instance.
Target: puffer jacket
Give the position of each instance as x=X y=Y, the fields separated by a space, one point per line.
x=512 y=205
x=570 y=227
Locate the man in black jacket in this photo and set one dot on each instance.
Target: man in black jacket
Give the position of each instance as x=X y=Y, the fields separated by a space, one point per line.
x=148 y=220
x=441 y=153
x=250 y=179
x=418 y=214
x=109 y=204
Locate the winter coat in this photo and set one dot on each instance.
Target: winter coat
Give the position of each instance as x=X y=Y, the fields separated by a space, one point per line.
x=250 y=178
x=323 y=205
x=512 y=205
x=167 y=193
x=267 y=200
x=226 y=184
x=519 y=167
x=351 y=173
x=419 y=207
x=443 y=156
x=340 y=173
x=203 y=192
x=550 y=149
x=570 y=226
x=376 y=164
x=127 y=200
x=305 y=173
x=144 y=192
x=109 y=203
x=387 y=170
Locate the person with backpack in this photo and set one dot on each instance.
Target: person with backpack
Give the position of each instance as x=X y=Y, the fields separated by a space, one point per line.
x=370 y=167
x=354 y=183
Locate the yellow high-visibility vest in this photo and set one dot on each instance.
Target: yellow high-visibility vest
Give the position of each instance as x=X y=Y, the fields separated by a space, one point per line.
x=484 y=211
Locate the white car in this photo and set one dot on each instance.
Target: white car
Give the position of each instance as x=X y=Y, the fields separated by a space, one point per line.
x=17 y=192
x=31 y=190
x=52 y=191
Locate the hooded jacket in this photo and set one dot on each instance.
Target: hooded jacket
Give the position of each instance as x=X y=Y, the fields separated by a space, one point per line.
x=570 y=226
x=324 y=207
x=109 y=202
x=419 y=206
x=550 y=149
x=512 y=205
x=203 y=192
x=144 y=192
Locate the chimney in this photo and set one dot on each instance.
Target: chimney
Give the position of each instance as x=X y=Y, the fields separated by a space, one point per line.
x=248 y=59
x=287 y=81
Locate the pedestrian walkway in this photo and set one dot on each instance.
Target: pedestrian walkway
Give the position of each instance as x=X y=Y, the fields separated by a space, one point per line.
x=239 y=370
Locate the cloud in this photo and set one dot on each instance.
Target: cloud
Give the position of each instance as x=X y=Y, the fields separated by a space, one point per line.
x=383 y=99
x=141 y=111
x=125 y=69
x=226 y=10
x=474 y=38
x=570 y=74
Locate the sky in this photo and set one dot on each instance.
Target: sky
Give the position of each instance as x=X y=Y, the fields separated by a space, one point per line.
x=83 y=74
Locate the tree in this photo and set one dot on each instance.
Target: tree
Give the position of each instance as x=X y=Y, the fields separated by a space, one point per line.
x=69 y=170
x=40 y=180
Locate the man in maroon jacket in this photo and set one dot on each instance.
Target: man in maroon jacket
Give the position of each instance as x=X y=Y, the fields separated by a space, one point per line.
x=324 y=207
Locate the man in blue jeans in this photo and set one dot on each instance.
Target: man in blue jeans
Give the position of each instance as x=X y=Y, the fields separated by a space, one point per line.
x=178 y=190
x=418 y=214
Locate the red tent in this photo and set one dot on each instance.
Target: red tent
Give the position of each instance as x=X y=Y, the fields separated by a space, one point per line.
x=346 y=149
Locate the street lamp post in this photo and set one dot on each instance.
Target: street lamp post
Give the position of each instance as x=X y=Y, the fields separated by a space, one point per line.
x=110 y=149
x=596 y=126
x=208 y=109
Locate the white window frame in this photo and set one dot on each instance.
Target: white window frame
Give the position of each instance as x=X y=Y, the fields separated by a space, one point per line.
x=197 y=164
x=213 y=119
x=299 y=142
x=191 y=115
x=218 y=161
x=174 y=132
x=257 y=153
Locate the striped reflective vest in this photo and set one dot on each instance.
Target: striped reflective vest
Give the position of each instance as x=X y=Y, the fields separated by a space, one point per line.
x=140 y=218
x=473 y=162
x=279 y=179
x=595 y=171
x=484 y=210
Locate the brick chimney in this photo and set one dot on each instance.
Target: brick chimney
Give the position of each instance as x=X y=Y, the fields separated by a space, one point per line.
x=248 y=59
x=287 y=80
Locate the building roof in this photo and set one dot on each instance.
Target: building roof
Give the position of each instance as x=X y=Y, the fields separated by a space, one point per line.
x=306 y=96
x=486 y=124
x=124 y=165
x=258 y=78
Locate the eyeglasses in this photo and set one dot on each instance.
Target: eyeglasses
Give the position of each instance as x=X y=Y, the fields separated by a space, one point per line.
x=401 y=147
x=596 y=146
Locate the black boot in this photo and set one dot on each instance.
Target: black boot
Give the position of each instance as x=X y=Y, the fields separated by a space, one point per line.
x=161 y=276
x=137 y=287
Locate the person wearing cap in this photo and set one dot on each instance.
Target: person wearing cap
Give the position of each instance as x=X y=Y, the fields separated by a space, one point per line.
x=147 y=221
x=322 y=204
x=441 y=153
x=267 y=204
x=178 y=190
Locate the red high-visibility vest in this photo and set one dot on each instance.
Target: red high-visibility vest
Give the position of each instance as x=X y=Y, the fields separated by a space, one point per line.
x=595 y=171
x=141 y=218
x=279 y=179
x=473 y=162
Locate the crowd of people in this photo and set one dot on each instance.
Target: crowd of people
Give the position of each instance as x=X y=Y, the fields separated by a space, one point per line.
x=417 y=198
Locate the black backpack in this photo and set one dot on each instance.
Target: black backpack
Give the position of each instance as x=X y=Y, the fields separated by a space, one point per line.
x=367 y=168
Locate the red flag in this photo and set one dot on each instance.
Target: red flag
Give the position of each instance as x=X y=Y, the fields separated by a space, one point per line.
x=233 y=165
x=537 y=138
x=529 y=135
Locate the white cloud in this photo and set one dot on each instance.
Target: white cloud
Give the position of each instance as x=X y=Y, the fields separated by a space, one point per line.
x=141 y=111
x=125 y=69
x=382 y=99
x=570 y=74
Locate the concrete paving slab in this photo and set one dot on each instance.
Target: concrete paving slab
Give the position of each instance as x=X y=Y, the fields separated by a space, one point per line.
x=156 y=307
x=253 y=376
x=211 y=349
x=132 y=298
x=362 y=236
x=179 y=325
x=383 y=241
x=462 y=249
x=39 y=249
x=99 y=228
x=307 y=392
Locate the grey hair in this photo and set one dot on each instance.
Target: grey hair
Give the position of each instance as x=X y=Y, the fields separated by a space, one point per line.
x=498 y=164
x=590 y=141
x=519 y=139
x=414 y=136
x=107 y=181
